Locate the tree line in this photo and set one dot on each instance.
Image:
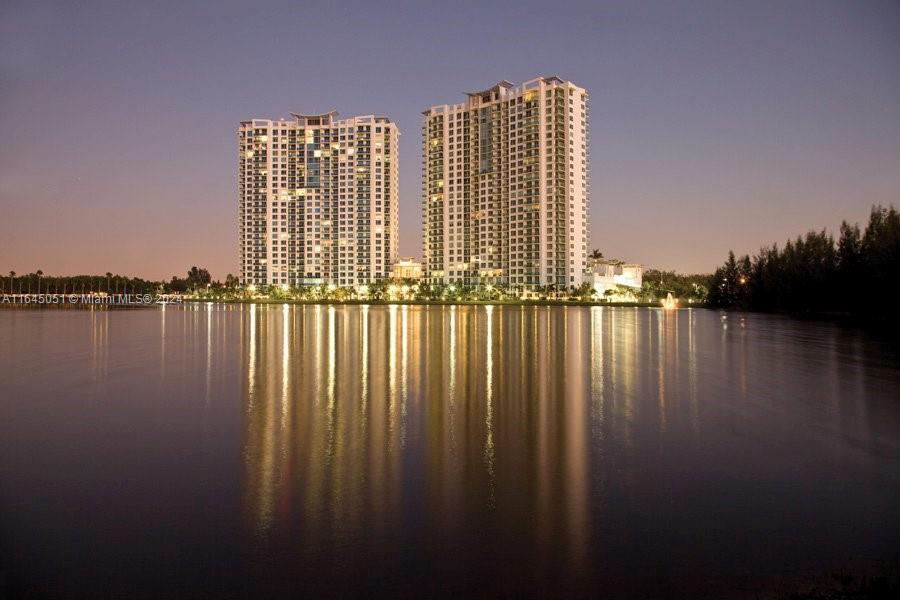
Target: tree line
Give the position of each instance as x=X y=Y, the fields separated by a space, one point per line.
x=814 y=274
x=199 y=283
x=109 y=283
x=657 y=284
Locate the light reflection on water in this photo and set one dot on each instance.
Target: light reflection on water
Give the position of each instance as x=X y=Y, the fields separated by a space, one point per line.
x=440 y=450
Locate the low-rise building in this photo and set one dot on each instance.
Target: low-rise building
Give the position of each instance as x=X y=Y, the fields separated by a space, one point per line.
x=406 y=268
x=607 y=274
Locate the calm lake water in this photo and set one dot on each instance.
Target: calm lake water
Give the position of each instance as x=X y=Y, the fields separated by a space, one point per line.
x=226 y=450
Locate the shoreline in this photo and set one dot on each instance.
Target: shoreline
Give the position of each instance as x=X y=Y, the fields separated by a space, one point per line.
x=349 y=302
x=440 y=302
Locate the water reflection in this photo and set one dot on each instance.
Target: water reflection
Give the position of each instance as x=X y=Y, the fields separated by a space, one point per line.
x=483 y=450
x=410 y=400
x=421 y=409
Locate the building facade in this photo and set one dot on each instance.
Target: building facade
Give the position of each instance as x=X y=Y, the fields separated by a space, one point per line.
x=605 y=274
x=318 y=200
x=505 y=186
x=407 y=268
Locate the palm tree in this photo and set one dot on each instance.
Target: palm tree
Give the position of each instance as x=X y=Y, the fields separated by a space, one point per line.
x=108 y=275
x=39 y=274
x=595 y=254
x=11 y=275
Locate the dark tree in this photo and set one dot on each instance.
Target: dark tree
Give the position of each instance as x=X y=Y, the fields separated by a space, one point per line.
x=813 y=274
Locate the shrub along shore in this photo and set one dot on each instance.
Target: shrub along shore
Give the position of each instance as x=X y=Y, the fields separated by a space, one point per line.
x=385 y=302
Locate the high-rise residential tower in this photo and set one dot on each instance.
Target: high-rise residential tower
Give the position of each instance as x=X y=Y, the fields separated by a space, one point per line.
x=505 y=186
x=318 y=200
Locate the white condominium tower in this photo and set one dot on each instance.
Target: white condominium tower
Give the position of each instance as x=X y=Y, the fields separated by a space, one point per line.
x=318 y=200
x=505 y=186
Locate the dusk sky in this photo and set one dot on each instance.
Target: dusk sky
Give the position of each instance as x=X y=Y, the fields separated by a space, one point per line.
x=714 y=125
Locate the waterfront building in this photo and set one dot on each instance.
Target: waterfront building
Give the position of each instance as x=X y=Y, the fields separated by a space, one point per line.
x=318 y=200
x=606 y=274
x=505 y=186
x=407 y=268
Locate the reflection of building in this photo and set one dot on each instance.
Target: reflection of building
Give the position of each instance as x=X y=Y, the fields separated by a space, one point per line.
x=505 y=186
x=604 y=274
x=318 y=199
x=406 y=268
x=346 y=409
